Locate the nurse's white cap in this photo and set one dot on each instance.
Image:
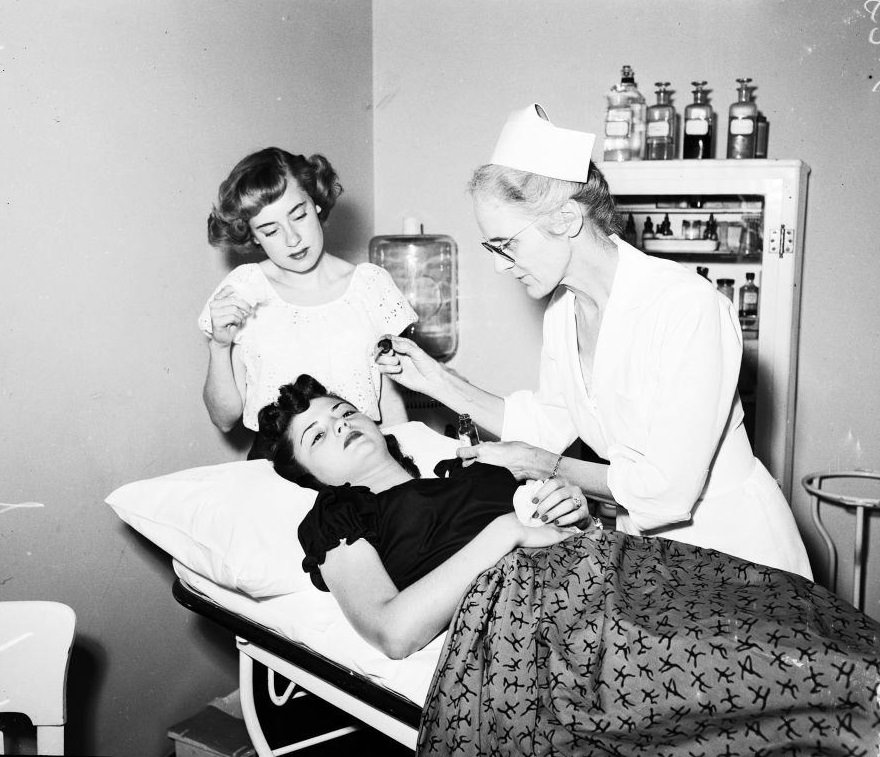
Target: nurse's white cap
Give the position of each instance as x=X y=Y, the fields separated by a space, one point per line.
x=530 y=142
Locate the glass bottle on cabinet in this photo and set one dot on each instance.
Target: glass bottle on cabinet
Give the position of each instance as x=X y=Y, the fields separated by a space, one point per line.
x=758 y=210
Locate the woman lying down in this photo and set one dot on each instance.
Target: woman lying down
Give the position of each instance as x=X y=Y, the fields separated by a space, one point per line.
x=566 y=642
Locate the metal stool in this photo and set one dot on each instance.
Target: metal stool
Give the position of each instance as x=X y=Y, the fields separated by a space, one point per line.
x=813 y=484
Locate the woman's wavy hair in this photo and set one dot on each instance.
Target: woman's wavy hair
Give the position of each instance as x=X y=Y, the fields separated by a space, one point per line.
x=275 y=420
x=540 y=195
x=259 y=180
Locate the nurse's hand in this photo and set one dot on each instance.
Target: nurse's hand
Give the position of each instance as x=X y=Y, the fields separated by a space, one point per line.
x=408 y=364
x=560 y=504
x=523 y=460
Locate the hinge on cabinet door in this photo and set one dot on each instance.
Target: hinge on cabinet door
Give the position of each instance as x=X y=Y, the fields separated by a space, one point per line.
x=782 y=241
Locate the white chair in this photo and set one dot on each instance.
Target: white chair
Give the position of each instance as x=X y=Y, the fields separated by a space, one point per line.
x=35 y=643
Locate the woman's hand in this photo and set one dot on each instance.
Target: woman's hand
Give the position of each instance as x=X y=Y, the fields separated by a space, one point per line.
x=523 y=460
x=229 y=312
x=560 y=503
x=409 y=365
x=539 y=536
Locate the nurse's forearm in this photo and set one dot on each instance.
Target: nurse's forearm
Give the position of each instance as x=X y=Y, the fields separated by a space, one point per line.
x=592 y=478
x=485 y=409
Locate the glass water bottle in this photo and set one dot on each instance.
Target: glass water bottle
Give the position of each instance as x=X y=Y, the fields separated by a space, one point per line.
x=660 y=126
x=699 y=126
x=741 y=128
x=425 y=269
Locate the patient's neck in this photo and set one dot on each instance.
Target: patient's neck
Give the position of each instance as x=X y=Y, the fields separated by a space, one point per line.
x=383 y=476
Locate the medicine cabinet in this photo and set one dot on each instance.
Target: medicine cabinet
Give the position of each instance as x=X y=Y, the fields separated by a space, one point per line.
x=757 y=210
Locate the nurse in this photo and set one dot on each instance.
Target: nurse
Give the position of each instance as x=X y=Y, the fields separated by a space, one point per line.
x=640 y=360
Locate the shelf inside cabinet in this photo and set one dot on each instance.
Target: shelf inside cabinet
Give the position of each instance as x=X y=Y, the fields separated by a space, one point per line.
x=704 y=257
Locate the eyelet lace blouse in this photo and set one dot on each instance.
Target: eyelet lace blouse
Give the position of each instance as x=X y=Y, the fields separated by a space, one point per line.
x=334 y=341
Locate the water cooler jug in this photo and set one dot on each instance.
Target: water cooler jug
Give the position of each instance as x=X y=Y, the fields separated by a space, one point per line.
x=425 y=269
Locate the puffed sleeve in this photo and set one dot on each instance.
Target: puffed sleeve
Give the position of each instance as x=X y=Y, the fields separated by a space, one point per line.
x=391 y=313
x=541 y=417
x=340 y=513
x=693 y=355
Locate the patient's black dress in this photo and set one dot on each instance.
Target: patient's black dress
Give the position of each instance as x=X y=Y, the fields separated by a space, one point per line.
x=414 y=526
x=614 y=644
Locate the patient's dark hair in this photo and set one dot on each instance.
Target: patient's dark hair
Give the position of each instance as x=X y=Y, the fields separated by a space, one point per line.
x=275 y=420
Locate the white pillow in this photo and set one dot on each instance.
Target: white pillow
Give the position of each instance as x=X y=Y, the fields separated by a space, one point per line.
x=235 y=523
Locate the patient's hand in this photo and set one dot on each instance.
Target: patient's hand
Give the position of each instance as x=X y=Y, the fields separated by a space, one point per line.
x=543 y=536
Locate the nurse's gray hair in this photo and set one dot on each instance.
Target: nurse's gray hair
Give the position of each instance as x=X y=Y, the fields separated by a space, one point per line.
x=538 y=195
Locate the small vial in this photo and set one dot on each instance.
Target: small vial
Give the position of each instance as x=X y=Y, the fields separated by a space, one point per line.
x=748 y=305
x=467 y=431
x=384 y=346
x=725 y=286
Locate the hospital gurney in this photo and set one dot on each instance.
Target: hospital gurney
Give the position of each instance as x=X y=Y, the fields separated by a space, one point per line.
x=375 y=690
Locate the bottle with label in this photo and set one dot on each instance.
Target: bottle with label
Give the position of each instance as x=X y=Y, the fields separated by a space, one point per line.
x=648 y=231
x=625 y=120
x=699 y=126
x=660 y=126
x=748 y=306
x=742 y=126
x=467 y=431
x=725 y=286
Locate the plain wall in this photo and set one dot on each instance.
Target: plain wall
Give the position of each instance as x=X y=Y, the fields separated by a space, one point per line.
x=119 y=120
x=446 y=75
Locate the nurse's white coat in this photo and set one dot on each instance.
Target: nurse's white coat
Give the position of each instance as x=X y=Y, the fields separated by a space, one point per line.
x=662 y=407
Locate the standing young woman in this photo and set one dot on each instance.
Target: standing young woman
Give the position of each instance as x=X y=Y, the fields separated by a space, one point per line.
x=301 y=309
x=640 y=360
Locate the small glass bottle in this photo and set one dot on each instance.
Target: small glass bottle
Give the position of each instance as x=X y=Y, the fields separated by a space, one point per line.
x=648 y=231
x=699 y=126
x=660 y=126
x=748 y=306
x=630 y=236
x=467 y=431
x=751 y=242
x=741 y=127
x=725 y=286
x=711 y=229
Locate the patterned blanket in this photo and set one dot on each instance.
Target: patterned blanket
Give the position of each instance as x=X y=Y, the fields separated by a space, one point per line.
x=617 y=645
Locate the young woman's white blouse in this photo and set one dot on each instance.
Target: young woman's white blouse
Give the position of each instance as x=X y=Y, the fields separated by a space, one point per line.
x=334 y=342
x=662 y=407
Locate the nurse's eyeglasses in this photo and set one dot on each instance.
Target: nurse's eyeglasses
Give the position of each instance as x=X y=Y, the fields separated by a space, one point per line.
x=499 y=249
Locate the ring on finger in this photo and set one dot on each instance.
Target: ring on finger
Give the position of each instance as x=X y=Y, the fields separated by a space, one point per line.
x=576 y=501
